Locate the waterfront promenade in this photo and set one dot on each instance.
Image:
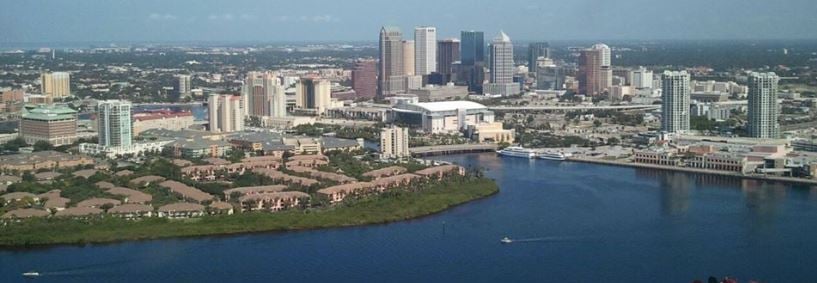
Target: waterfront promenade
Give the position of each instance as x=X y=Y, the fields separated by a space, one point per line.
x=695 y=170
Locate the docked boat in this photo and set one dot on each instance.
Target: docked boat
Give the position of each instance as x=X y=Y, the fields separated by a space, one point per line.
x=506 y=240
x=516 y=151
x=560 y=156
x=31 y=274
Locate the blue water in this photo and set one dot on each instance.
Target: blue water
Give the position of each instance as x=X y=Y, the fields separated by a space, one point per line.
x=576 y=222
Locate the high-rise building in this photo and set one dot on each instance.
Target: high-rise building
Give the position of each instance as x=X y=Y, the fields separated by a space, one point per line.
x=364 y=78
x=642 y=78
x=595 y=71
x=502 y=67
x=114 y=122
x=226 y=114
x=675 y=101
x=54 y=124
x=394 y=142
x=408 y=58
x=56 y=84
x=536 y=50
x=472 y=60
x=425 y=50
x=763 y=109
x=448 y=52
x=263 y=95
x=391 y=61
x=183 y=85
x=313 y=93
x=549 y=76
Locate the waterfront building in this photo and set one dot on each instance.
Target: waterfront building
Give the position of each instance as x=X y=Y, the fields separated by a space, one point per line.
x=364 y=79
x=472 y=60
x=448 y=52
x=409 y=59
x=226 y=114
x=391 y=61
x=263 y=95
x=56 y=84
x=441 y=117
x=114 y=123
x=763 y=108
x=183 y=85
x=656 y=157
x=502 y=68
x=675 y=101
x=723 y=161
x=537 y=50
x=394 y=142
x=54 y=124
x=314 y=94
x=425 y=50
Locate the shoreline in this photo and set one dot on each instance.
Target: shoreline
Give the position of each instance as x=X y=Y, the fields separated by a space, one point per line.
x=243 y=224
x=790 y=180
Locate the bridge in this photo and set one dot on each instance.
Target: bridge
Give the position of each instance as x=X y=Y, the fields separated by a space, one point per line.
x=576 y=107
x=452 y=149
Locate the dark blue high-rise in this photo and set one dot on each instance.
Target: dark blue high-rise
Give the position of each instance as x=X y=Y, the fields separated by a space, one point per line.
x=472 y=47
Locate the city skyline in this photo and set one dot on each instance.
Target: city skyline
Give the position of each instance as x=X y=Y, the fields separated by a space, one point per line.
x=94 y=20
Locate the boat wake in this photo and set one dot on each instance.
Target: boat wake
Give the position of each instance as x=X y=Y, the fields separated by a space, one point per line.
x=546 y=239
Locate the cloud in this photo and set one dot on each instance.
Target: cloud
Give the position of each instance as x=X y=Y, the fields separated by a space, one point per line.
x=308 y=19
x=222 y=17
x=161 y=17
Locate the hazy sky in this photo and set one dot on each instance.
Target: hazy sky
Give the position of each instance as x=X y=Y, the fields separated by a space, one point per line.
x=330 y=20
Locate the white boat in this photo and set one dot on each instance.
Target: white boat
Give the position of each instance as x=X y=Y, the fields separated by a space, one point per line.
x=506 y=240
x=560 y=156
x=31 y=274
x=516 y=151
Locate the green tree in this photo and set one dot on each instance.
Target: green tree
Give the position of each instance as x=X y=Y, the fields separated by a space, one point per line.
x=14 y=145
x=42 y=146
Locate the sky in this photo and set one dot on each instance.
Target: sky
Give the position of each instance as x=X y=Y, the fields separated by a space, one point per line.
x=36 y=21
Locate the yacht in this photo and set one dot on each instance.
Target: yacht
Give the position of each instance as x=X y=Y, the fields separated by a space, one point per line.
x=560 y=156
x=506 y=240
x=516 y=151
x=31 y=274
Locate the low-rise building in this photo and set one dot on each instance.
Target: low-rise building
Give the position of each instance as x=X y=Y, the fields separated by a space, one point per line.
x=656 y=157
x=181 y=210
x=42 y=160
x=187 y=192
x=438 y=172
x=25 y=213
x=54 y=124
x=274 y=201
x=723 y=161
x=336 y=194
x=79 y=212
x=131 y=210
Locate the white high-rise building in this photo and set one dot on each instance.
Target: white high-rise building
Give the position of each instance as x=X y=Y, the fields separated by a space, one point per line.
x=183 y=85
x=675 y=101
x=394 y=142
x=502 y=67
x=263 y=95
x=605 y=53
x=642 y=78
x=114 y=123
x=56 y=84
x=425 y=50
x=313 y=93
x=763 y=110
x=226 y=113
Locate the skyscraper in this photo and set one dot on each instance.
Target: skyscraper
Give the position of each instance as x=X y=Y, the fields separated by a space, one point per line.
x=263 y=95
x=448 y=52
x=549 y=76
x=226 y=113
x=595 y=71
x=675 y=101
x=408 y=58
x=56 y=84
x=502 y=67
x=472 y=60
x=391 y=61
x=313 y=93
x=364 y=78
x=114 y=123
x=425 y=50
x=536 y=50
x=642 y=78
x=763 y=105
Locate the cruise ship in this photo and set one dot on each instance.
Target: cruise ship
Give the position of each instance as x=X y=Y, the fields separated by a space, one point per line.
x=554 y=155
x=516 y=151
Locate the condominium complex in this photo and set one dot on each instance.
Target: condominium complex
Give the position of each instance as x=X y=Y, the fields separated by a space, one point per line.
x=54 y=124
x=763 y=106
x=262 y=95
x=314 y=94
x=675 y=101
x=394 y=142
x=425 y=50
x=226 y=113
x=56 y=84
x=114 y=123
